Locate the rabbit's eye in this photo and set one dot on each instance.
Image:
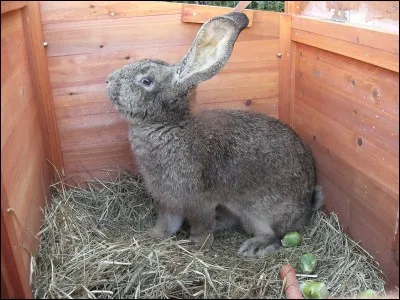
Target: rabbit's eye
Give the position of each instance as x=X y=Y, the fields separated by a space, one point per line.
x=147 y=81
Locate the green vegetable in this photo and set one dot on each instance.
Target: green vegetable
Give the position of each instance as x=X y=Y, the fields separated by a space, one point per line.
x=314 y=290
x=291 y=239
x=308 y=263
x=367 y=294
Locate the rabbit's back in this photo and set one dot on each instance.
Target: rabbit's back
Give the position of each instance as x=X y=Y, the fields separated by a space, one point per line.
x=243 y=150
x=224 y=153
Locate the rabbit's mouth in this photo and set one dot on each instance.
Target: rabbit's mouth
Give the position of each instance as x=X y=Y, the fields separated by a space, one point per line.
x=113 y=92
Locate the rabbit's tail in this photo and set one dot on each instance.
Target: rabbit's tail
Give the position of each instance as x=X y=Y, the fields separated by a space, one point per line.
x=318 y=198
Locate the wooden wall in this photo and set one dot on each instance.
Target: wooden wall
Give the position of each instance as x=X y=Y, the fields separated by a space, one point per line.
x=25 y=137
x=338 y=88
x=89 y=40
x=345 y=105
x=380 y=15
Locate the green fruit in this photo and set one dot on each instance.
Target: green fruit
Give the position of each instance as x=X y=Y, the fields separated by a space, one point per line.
x=314 y=290
x=308 y=263
x=367 y=294
x=291 y=239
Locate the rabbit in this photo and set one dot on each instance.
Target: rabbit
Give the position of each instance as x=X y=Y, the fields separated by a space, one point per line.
x=214 y=168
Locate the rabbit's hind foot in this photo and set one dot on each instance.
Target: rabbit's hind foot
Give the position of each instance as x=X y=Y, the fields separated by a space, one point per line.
x=259 y=246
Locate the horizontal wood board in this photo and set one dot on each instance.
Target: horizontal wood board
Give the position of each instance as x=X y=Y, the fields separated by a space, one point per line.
x=377 y=15
x=89 y=40
x=192 y=13
x=347 y=111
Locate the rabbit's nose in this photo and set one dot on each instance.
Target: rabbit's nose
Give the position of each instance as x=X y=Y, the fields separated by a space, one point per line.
x=106 y=81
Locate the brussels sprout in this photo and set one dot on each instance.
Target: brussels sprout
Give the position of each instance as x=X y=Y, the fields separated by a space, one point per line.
x=367 y=294
x=291 y=239
x=314 y=290
x=308 y=263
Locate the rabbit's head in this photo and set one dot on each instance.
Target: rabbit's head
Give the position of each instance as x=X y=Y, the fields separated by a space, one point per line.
x=155 y=89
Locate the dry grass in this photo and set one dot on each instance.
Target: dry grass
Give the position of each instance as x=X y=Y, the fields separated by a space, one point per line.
x=94 y=245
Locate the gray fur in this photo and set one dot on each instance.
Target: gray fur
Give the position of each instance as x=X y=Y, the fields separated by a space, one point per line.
x=215 y=167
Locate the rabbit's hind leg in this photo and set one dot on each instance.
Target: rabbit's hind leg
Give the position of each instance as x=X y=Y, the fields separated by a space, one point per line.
x=167 y=224
x=225 y=219
x=264 y=242
x=259 y=246
x=202 y=224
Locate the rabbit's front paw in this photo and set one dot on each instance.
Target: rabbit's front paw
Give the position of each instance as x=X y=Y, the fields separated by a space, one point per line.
x=258 y=246
x=156 y=233
x=167 y=224
x=204 y=241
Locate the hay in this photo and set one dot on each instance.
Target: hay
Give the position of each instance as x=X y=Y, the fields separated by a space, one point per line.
x=94 y=245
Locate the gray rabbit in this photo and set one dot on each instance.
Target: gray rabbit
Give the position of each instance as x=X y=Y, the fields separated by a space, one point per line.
x=215 y=168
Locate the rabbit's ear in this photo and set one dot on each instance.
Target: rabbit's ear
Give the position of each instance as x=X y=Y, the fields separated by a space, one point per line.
x=211 y=48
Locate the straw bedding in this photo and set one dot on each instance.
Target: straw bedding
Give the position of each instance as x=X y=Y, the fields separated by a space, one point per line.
x=94 y=245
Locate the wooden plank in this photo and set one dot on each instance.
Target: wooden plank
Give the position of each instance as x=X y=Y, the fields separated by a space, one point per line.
x=285 y=68
x=41 y=83
x=123 y=34
x=292 y=82
x=292 y=7
x=356 y=185
x=97 y=158
x=35 y=212
x=25 y=173
x=117 y=34
x=363 y=11
x=241 y=6
x=380 y=130
x=61 y=11
x=375 y=236
x=347 y=185
x=330 y=93
x=15 y=76
x=92 y=131
x=87 y=100
x=13 y=272
x=268 y=106
x=367 y=85
x=384 y=59
x=202 y=13
x=349 y=32
x=366 y=158
x=365 y=207
x=89 y=69
x=220 y=90
x=7 y=6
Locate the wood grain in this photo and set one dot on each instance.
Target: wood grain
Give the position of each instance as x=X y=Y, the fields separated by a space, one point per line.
x=268 y=106
x=366 y=84
x=285 y=68
x=14 y=275
x=369 y=9
x=202 y=13
x=69 y=38
x=7 y=6
x=41 y=83
x=374 y=56
x=89 y=69
x=352 y=105
x=61 y=11
x=347 y=111
x=349 y=33
x=241 y=6
x=24 y=147
x=292 y=7
x=365 y=207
